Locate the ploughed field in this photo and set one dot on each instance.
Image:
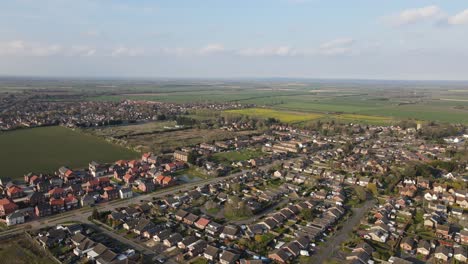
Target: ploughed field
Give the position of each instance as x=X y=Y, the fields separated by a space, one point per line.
x=45 y=149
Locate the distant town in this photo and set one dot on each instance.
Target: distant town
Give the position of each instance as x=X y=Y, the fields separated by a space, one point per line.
x=364 y=193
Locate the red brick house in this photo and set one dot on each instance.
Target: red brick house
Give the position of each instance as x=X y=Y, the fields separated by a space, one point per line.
x=15 y=192
x=7 y=207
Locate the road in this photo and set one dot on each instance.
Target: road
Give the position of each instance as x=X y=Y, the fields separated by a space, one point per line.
x=332 y=245
x=81 y=215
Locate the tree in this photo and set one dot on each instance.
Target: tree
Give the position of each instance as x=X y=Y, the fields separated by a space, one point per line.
x=95 y=214
x=372 y=187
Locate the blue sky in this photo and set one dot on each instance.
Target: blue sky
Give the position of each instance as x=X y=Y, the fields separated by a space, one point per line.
x=396 y=39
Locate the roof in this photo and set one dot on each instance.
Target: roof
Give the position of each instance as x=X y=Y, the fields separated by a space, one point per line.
x=203 y=221
x=211 y=251
x=229 y=256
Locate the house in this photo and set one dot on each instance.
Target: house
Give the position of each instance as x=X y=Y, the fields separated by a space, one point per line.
x=464 y=237
x=87 y=200
x=190 y=219
x=293 y=248
x=15 y=218
x=213 y=228
x=280 y=256
x=423 y=248
x=202 y=223
x=7 y=207
x=125 y=193
x=57 y=205
x=443 y=231
x=460 y=254
x=96 y=251
x=110 y=193
x=146 y=186
x=15 y=192
x=186 y=241
x=211 y=253
x=230 y=232
x=181 y=156
x=228 y=257
x=162 y=235
x=181 y=214
x=42 y=210
x=442 y=253
x=197 y=248
x=70 y=202
x=407 y=244
x=172 y=240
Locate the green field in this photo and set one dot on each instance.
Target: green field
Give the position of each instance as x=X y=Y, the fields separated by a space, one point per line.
x=45 y=149
x=234 y=156
x=283 y=116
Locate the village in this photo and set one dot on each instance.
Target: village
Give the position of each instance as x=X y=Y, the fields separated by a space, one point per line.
x=282 y=206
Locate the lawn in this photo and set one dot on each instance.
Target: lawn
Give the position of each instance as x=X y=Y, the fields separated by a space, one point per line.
x=22 y=251
x=283 y=116
x=45 y=149
x=233 y=156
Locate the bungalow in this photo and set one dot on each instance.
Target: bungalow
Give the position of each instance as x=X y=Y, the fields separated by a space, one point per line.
x=172 y=240
x=442 y=253
x=186 y=241
x=162 y=235
x=213 y=228
x=190 y=219
x=280 y=256
x=202 y=223
x=407 y=244
x=230 y=232
x=228 y=257
x=460 y=254
x=211 y=253
x=96 y=251
x=181 y=214
x=424 y=248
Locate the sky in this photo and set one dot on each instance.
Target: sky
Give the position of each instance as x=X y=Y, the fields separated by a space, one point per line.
x=348 y=39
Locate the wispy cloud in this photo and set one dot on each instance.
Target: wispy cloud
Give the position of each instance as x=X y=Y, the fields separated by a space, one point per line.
x=123 y=51
x=22 y=48
x=340 y=46
x=414 y=15
x=268 y=51
x=212 y=48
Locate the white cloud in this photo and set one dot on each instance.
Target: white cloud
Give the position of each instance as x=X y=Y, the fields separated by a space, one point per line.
x=84 y=51
x=459 y=19
x=414 y=15
x=123 y=51
x=341 y=46
x=269 y=51
x=22 y=48
x=212 y=48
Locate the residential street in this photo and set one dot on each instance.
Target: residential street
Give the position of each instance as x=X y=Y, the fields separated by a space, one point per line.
x=332 y=244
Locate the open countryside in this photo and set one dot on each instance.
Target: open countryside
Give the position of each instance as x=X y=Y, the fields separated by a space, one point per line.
x=45 y=149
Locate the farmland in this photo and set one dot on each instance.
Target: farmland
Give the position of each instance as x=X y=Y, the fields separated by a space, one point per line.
x=45 y=149
x=283 y=116
x=168 y=141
